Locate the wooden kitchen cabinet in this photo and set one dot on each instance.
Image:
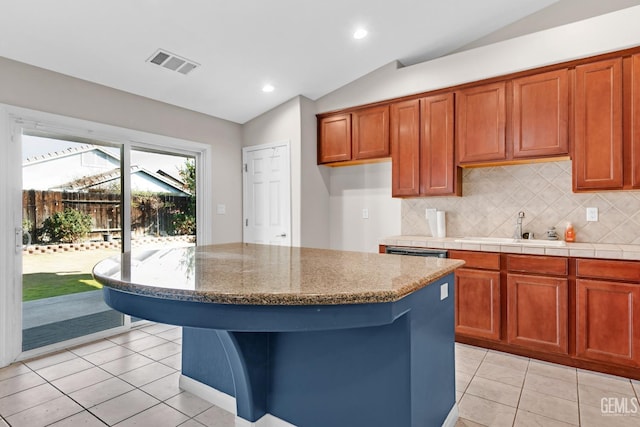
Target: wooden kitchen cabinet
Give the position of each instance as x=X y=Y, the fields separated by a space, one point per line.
x=477 y=295
x=540 y=115
x=633 y=148
x=334 y=139
x=370 y=133
x=422 y=140
x=537 y=312
x=439 y=175
x=608 y=311
x=481 y=116
x=357 y=136
x=537 y=302
x=405 y=148
x=598 y=126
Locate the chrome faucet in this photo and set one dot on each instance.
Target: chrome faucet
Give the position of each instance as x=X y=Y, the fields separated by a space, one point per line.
x=517 y=234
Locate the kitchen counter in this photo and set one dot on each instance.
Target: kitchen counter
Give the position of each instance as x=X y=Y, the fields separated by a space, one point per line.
x=312 y=337
x=577 y=250
x=271 y=275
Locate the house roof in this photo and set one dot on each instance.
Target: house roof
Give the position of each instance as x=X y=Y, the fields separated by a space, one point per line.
x=69 y=152
x=92 y=181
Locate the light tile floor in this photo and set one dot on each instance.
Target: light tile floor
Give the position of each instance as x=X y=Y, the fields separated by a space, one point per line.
x=132 y=380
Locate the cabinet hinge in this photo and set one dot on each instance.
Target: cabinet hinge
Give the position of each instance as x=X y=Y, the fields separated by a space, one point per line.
x=246 y=222
x=246 y=168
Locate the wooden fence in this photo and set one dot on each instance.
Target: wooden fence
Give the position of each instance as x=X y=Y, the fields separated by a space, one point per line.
x=151 y=215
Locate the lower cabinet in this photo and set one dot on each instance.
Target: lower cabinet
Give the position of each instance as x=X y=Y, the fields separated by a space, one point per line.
x=477 y=295
x=581 y=312
x=608 y=311
x=608 y=321
x=537 y=312
x=477 y=304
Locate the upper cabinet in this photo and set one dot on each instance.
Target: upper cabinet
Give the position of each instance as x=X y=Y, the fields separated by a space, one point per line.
x=597 y=145
x=481 y=117
x=422 y=140
x=538 y=107
x=371 y=133
x=405 y=144
x=357 y=136
x=634 y=131
x=334 y=142
x=540 y=115
x=607 y=125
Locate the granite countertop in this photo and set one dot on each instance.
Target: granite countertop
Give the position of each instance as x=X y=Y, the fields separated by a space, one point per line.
x=249 y=274
x=578 y=250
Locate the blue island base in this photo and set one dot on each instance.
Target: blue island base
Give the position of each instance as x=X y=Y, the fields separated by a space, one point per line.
x=398 y=371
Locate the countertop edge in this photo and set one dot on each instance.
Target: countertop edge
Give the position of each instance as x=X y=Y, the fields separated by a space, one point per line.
x=624 y=252
x=280 y=299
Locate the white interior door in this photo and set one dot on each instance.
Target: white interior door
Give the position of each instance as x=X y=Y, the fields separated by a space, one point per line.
x=267 y=194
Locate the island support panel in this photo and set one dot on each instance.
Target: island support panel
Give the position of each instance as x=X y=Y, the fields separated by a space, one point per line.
x=400 y=373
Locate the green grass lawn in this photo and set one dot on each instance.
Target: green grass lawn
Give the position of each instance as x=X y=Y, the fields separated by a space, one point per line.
x=47 y=285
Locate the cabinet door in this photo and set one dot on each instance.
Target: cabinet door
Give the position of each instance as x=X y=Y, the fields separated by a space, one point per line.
x=405 y=148
x=438 y=171
x=608 y=315
x=537 y=313
x=597 y=157
x=635 y=122
x=481 y=120
x=477 y=298
x=371 y=133
x=540 y=115
x=334 y=139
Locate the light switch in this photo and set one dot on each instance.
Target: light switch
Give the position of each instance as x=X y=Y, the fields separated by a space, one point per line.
x=592 y=214
x=221 y=209
x=444 y=291
x=365 y=213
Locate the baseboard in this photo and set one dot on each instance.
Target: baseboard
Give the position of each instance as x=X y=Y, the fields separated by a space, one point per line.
x=452 y=418
x=228 y=403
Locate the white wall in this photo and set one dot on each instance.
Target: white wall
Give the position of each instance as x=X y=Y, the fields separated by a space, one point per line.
x=30 y=87
x=354 y=188
x=315 y=183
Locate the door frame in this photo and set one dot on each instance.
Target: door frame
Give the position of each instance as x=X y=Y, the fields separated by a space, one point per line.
x=12 y=121
x=245 y=204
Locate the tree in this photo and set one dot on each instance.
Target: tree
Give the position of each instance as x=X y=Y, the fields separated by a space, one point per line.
x=185 y=222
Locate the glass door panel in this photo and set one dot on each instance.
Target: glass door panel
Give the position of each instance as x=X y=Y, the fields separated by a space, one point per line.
x=71 y=202
x=163 y=201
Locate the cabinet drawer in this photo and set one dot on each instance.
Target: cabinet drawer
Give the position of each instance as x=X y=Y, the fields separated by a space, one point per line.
x=538 y=264
x=608 y=269
x=484 y=260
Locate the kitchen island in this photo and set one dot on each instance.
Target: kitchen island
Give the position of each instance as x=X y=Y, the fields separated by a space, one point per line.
x=309 y=336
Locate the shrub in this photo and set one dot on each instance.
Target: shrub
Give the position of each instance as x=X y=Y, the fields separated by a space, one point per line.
x=68 y=226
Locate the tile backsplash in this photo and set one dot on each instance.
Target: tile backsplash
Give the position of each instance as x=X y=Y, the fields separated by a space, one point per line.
x=493 y=196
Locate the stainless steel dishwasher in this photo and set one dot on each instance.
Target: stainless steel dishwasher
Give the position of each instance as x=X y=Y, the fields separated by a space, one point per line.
x=403 y=250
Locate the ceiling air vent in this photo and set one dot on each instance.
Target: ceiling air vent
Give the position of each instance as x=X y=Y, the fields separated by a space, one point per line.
x=172 y=62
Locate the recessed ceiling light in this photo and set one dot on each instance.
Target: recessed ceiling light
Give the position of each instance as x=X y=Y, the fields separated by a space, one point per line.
x=268 y=88
x=360 y=33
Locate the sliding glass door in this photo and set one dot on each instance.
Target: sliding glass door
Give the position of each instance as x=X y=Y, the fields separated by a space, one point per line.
x=71 y=219
x=73 y=202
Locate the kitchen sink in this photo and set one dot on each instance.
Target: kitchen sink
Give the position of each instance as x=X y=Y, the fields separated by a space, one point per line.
x=510 y=241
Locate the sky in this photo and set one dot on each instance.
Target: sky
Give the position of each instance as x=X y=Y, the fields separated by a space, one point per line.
x=36 y=146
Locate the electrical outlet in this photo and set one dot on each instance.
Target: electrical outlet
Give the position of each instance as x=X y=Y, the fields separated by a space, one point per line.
x=592 y=214
x=365 y=213
x=444 y=291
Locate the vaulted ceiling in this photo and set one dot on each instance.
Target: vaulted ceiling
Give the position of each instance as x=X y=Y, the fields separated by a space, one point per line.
x=239 y=46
